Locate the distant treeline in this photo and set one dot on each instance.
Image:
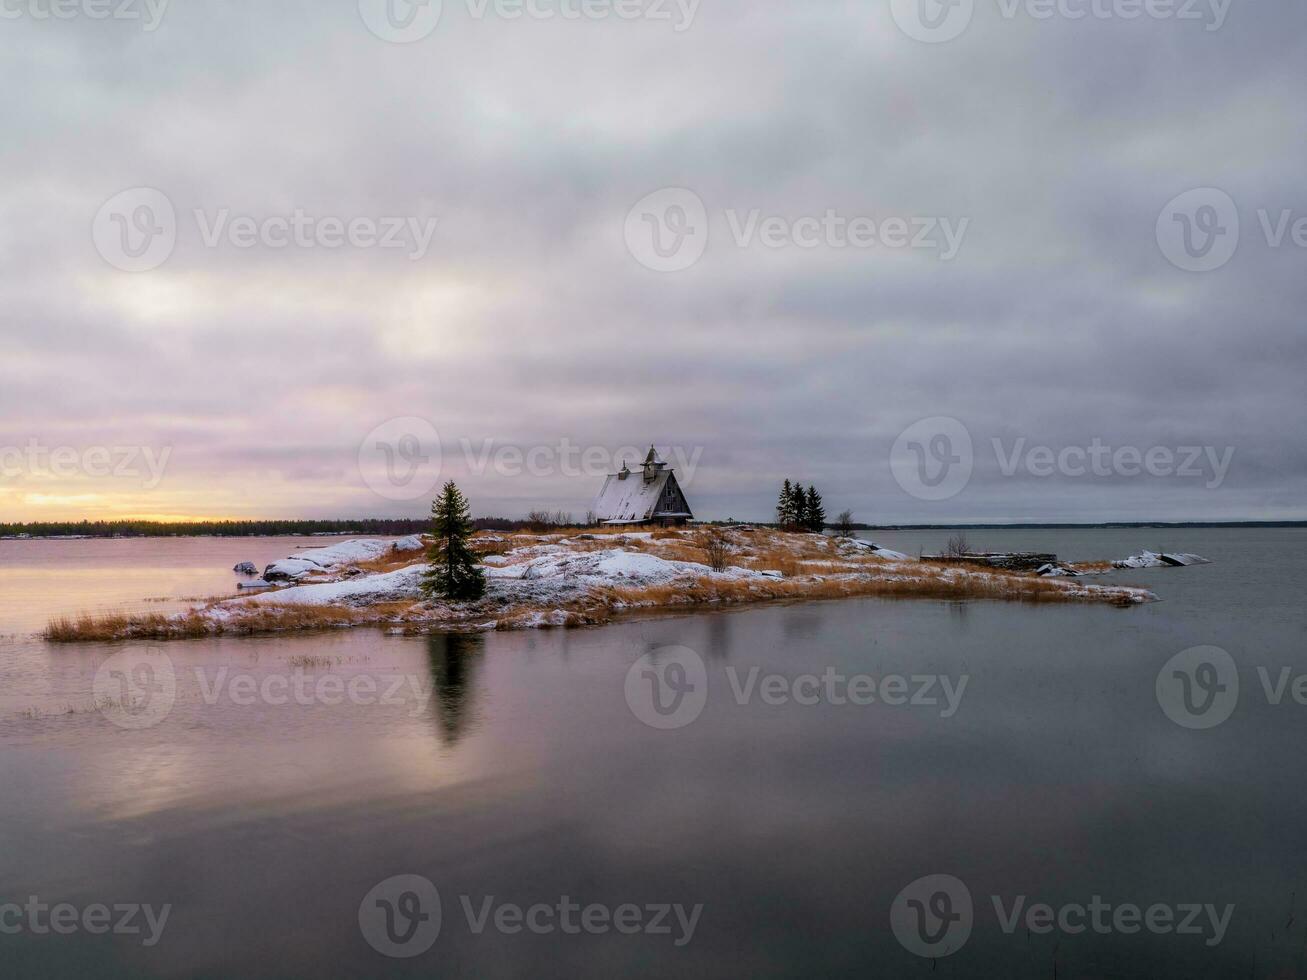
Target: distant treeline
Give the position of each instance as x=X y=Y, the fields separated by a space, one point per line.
x=225 y=529
x=246 y=529
x=536 y=522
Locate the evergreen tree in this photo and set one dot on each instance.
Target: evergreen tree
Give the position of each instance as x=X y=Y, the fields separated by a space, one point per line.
x=452 y=571
x=785 y=506
x=814 y=513
x=799 y=507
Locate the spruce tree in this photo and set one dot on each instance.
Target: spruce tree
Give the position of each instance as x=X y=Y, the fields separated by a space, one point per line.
x=814 y=511
x=452 y=571
x=785 y=506
x=799 y=507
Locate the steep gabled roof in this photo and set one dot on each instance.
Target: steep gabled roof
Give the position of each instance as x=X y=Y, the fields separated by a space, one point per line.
x=629 y=499
x=632 y=498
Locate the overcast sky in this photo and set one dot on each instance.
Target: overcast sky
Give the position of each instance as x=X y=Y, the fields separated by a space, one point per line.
x=1032 y=294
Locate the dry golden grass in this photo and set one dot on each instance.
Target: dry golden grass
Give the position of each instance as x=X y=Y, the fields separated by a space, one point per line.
x=122 y=626
x=1092 y=566
x=389 y=562
x=261 y=618
x=679 y=551
x=484 y=544
x=1012 y=587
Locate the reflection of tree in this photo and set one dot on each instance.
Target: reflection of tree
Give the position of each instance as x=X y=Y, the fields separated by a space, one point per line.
x=958 y=612
x=719 y=635
x=454 y=658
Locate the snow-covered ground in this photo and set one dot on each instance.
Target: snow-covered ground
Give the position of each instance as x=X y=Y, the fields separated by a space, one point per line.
x=854 y=545
x=557 y=576
x=365 y=590
x=546 y=578
x=315 y=561
x=612 y=566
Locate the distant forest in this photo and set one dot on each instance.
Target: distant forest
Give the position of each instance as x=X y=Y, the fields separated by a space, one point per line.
x=246 y=529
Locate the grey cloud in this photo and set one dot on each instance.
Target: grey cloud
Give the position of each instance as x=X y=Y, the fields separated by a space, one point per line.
x=528 y=321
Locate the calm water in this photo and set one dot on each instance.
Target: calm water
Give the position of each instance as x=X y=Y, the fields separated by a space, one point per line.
x=526 y=775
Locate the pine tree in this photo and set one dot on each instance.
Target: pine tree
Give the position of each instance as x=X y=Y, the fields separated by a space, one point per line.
x=814 y=511
x=452 y=571
x=785 y=506
x=799 y=507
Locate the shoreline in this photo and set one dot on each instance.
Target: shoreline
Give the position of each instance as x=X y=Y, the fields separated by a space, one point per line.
x=586 y=579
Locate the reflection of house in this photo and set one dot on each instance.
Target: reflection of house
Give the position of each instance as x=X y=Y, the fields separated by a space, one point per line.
x=649 y=495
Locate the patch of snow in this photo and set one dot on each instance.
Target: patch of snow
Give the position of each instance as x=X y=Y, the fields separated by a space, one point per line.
x=614 y=565
x=331 y=557
x=362 y=591
x=499 y=570
x=1056 y=571
x=849 y=545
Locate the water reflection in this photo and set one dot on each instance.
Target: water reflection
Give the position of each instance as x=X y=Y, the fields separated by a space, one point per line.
x=719 y=636
x=958 y=612
x=455 y=661
x=795 y=825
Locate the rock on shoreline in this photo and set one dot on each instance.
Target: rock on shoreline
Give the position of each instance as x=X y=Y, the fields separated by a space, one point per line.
x=319 y=561
x=1149 y=559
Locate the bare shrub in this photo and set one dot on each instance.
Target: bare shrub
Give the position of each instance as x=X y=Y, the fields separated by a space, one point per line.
x=544 y=520
x=717 y=546
x=958 y=546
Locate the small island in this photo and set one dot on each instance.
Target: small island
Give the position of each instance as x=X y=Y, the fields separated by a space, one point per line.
x=638 y=552
x=585 y=578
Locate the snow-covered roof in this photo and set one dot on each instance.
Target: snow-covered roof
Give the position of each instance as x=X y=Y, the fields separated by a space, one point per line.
x=633 y=495
x=630 y=498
